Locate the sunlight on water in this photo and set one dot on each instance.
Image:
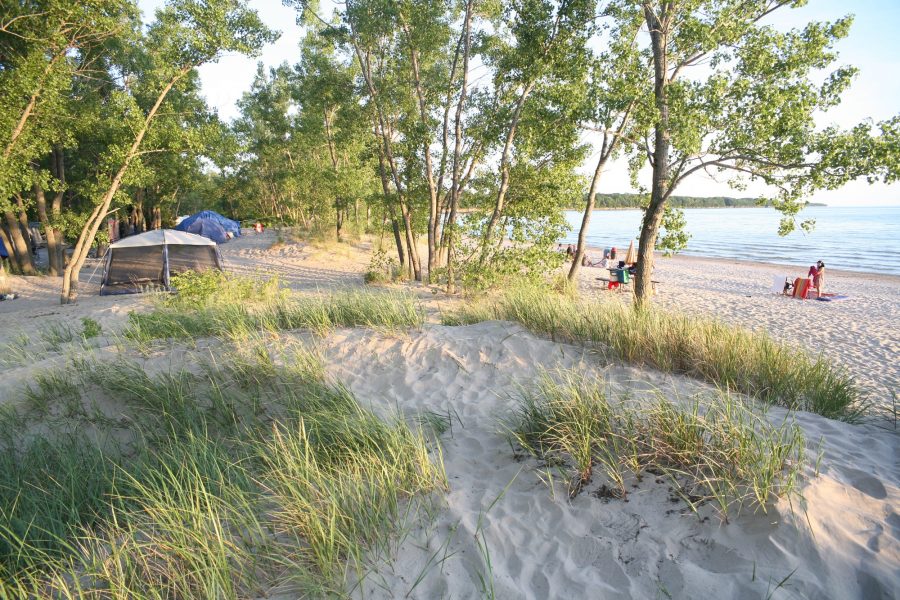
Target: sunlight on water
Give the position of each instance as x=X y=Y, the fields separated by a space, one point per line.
x=849 y=238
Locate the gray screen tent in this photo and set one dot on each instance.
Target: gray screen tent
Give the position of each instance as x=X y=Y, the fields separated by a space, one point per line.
x=145 y=262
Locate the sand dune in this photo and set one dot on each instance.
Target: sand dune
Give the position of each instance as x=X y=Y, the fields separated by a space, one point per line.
x=502 y=526
x=844 y=542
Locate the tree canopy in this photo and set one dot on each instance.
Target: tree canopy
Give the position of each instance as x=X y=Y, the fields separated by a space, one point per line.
x=460 y=123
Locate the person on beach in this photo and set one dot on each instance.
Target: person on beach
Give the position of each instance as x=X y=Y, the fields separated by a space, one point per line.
x=817 y=274
x=587 y=261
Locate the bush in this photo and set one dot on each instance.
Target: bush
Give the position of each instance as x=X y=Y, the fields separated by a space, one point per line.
x=382 y=268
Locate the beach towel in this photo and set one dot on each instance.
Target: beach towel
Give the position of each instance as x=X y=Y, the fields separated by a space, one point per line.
x=832 y=298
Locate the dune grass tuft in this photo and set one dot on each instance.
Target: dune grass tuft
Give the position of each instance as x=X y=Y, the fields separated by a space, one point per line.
x=730 y=357
x=251 y=471
x=231 y=307
x=716 y=451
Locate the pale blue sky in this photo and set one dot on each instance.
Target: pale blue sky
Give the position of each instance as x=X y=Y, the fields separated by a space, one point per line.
x=873 y=46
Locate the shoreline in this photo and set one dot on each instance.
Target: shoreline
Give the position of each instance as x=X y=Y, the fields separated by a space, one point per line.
x=660 y=258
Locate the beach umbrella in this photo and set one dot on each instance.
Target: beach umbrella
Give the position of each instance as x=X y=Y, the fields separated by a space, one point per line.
x=631 y=255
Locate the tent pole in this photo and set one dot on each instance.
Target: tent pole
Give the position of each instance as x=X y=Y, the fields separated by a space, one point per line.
x=106 y=256
x=166 y=267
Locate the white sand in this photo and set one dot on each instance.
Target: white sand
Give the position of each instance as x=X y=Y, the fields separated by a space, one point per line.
x=843 y=542
x=541 y=545
x=861 y=334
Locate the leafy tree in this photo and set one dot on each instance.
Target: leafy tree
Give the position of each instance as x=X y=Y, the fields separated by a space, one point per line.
x=43 y=45
x=734 y=96
x=616 y=86
x=187 y=33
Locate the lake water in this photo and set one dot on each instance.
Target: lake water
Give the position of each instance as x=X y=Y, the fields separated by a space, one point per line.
x=849 y=238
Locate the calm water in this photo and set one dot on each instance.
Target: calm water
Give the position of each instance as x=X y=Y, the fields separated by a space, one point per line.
x=849 y=238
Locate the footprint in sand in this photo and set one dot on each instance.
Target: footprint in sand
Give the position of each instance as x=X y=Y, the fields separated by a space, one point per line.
x=865 y=483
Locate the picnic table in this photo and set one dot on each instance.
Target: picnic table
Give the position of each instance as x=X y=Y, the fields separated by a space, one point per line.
x=617 y=279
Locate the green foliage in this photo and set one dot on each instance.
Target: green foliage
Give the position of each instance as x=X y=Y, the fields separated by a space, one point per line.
x=382 y=268
x=674 y=237
x=729 y=357
x=90 y=328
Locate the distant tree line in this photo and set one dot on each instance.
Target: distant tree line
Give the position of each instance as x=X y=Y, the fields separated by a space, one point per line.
x=625 y=200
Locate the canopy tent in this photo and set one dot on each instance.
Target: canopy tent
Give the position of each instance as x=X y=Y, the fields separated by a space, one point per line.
x=146 y=261
x=210 y=216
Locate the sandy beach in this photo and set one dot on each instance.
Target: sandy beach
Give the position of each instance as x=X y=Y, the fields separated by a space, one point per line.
x=501 y=530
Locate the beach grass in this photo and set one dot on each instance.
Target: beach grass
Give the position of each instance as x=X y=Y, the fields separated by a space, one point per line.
x=732 y=358
x=713 y=450
x=210 y=483
x=230 y=306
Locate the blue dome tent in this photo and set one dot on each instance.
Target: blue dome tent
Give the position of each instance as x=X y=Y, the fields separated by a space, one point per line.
x=213 y=217
x=208 y=229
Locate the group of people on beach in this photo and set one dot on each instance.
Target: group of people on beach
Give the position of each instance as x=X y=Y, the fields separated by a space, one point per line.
x=608 y=261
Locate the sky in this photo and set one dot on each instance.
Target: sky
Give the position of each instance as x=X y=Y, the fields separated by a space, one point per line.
x=873 y=46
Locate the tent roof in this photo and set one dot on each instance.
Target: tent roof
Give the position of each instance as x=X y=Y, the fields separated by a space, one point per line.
x=159 y=237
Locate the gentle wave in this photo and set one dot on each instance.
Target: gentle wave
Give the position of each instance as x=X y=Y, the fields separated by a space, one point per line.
x=865 y=239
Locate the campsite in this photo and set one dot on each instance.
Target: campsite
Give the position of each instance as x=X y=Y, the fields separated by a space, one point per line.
x=427 y=299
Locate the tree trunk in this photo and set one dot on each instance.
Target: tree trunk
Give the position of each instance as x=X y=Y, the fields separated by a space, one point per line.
x=643 y=286
x=13 y=262
x=56 y=245
x=429 y=169
x=49 y=232
x=505 y=158
x=455 y=183
x=411 y=248
x=586 y=219
x=610 y=141
x=395 y=226
x=4 y=282
x=69 y=292
x=20 y=248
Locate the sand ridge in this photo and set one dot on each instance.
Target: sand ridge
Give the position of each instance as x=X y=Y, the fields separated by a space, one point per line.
x=542 y=545
x=843 y=542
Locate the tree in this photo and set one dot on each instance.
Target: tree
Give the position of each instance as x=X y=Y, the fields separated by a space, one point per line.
x=187 y=33
x=42 y=47
x=747 y=111
x=617 y=84
x=546 y=48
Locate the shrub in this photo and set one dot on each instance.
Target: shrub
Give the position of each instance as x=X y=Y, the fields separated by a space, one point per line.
x=382 y=268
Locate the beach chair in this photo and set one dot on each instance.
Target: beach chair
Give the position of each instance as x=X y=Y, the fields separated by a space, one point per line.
x=801 y=288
